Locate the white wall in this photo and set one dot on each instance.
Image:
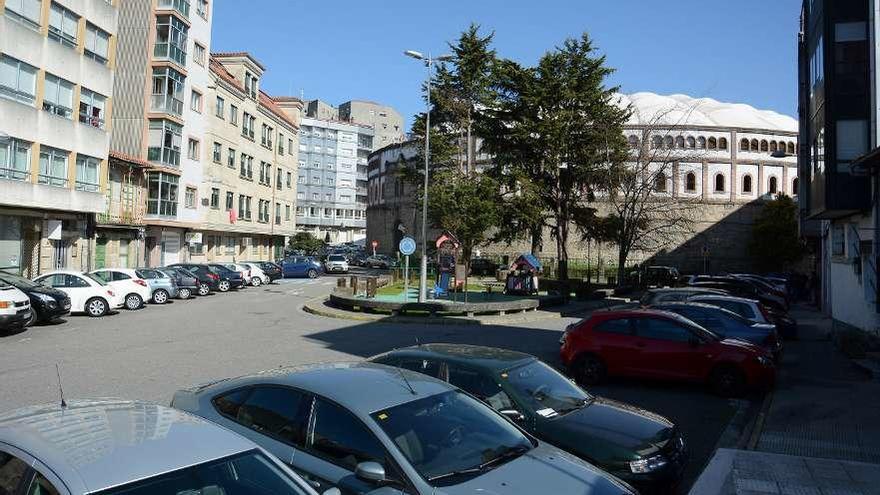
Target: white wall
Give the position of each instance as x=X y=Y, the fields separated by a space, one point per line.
x=196 y=124
x=844 y=287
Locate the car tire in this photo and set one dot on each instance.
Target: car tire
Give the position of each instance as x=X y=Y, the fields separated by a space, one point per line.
x=160 y=296
x=589 y=370
x=96 y=307
x=184 y=293
x=728 y=381
x=204 y=289
x=223 y=286
x=256 y=281
x=33 y=319
x=133 y=301
x=312 y=273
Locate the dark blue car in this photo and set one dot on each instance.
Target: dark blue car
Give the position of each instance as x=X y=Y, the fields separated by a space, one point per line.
x=300 y=266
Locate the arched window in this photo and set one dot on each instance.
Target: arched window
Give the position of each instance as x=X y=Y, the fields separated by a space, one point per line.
x=747 y=184
x=660 y=182
x=701 y=143
x=633 y=142
x=794 y=186
x=774 y=186
x=713 y=143
x=773 y=147
x=744 y=145
x=679 y=142
x=656 y=142
x=670 y=143
x=691 y=142
x=790 y=148
x=764 y=146
x=690 y=182
x=753 y=145
x=722 y=143
x=719 y=183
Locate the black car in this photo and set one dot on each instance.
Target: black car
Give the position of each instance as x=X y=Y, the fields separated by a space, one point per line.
x=640 y=447
x=229 y=279
x=208 y=279
x=47 y=303
x=272 y=270
x=483 y=266
x=187 y=282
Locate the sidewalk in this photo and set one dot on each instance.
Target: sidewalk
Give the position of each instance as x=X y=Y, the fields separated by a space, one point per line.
x=820 y=434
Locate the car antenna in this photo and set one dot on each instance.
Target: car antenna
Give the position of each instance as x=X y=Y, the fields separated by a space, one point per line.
x=410 y=387
x=60 y=388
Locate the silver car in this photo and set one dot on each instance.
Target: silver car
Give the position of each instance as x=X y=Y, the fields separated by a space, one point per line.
x=161 y=284
x=116 y=447
x=370 y=428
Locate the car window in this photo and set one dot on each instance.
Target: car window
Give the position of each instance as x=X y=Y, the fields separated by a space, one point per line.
x=75 y=282
x=12 y=471
x=51 y=280
x=480 y=386
x=662 y=329
x=278 y=412
x=148 y=274
x=427 y=366
x=343 y=439
x=102 y=276
x=619 y=326
x=543 y=390
x=117 y=276
x=41 y=486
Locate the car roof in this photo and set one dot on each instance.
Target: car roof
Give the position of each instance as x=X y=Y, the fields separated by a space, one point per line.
x=61 y=272
x=361 y=387
x=630 y=313
x=722 y=297
x=100 y=443
x=488 y=358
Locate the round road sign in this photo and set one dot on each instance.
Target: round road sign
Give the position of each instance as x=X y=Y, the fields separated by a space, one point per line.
x=407 y=246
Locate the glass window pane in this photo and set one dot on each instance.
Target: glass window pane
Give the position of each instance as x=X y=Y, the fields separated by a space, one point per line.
x=8 y=72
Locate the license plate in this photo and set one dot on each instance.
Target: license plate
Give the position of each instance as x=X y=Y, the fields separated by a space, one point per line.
x=26 y=314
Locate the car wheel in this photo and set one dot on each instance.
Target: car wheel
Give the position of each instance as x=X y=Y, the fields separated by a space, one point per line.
x=160 y=296
x=184 y=293
x=223 y=286
x=133 y=301
x=204 y=289
x=312 y=273
x=96 y=307
x=728 y=381
x=33 y=319
x=256 y=281
x=589 y=370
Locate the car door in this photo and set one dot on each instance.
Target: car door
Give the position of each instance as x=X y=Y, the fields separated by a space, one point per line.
x=615 y=341
x=664 y=348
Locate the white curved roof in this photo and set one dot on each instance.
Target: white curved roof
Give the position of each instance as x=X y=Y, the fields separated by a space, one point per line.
x=683 y=110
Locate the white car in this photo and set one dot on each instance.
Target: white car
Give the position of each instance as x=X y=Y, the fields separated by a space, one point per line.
x=336 y=263
x=87 y=294
x=134 y=289
x=747 y=308
x=241 y=268
x=15 y=308
x=258 y=276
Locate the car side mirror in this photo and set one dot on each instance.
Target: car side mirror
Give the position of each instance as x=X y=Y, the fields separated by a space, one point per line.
x=513 y=415
x=370 y=471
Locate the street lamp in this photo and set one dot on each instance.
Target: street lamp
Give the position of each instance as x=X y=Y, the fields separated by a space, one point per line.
x=423 y=272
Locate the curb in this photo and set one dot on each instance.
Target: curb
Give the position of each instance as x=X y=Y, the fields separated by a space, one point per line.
x=758 y=427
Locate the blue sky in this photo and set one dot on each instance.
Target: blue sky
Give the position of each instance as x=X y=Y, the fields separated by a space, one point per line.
x=740 y=51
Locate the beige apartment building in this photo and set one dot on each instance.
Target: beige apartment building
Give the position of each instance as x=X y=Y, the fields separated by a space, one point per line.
x=57 y=69
x=251 y=146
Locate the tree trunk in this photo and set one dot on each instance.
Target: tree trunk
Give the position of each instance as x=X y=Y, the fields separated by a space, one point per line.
x=621 y=265
x=537 y=237
x=562 y=249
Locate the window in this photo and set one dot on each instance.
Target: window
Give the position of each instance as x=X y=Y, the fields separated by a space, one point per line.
x=279 y=178
x=87 y=173
x=773 y=185
x=774 y=147
x=91 y=108
x=620 y=326
x=701 y=143
x=195 y=101
x=58 y=99
x=167 y=91
x=852 y=141
x=679 y=142
x=747 y=184
x=481 y=386
x=53 y=166
x=633 y=141
x=286 y=212
x=242 y=169
x=230 y=158
x=753 y=145
x=342 y=439
x=794 y=187
x=189 y=197
x=838 y=240
x=662 y=329
x=230 y=244
x=202 y=8
x=790 y=148
x=289 y=180
x=193 y=149
x=218 y=152
x=265 y=172
x=669 y=142
x=215 y=198
x=277 y=412
x=13 y=470
x=233 y=114
x=277 y=213
x=97 y=43
x=219 y=108
x=162 y=194
x=230 y=200
x=719 y=183
x=280 y=143
x=164 y=142
x=765 y=146
x=289 y=146
x=713 y=143
x=171 y=36
x=199 y=53
x=27 y=11
x=63 y=25
x=248 y=122
x=301 y=179
x=660 y=182
x=15 y=156
x=722 y=143
x=744 y=145
x=18 y=80
x=181 y=6
x=690 y=182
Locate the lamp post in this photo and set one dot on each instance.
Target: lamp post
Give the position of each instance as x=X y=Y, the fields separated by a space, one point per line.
x=423 y=272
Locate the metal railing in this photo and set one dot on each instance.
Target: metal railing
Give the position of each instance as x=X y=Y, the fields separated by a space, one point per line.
x=12 y=174
x=51 y=180
x=181 y=6
x=166 y=104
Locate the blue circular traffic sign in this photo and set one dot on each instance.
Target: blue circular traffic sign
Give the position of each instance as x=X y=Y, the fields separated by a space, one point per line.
x=407 y=246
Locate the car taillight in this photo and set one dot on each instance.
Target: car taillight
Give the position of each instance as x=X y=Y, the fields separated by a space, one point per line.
x=140 y=282
x=214 y=276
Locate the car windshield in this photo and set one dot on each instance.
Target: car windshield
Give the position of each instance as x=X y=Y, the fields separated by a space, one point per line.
x=250 y=473
x=16 y=281
x=336 y=257
x=96 y=279
x=449 y=436
x=544 y=390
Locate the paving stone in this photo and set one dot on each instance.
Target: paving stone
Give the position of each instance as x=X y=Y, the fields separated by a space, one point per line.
x=755 y=485
x=864 y=473
x=845 y=490
x=798 y=489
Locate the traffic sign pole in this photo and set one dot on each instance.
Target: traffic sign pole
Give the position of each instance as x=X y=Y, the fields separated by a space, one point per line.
x=406 y=247
x=406 y=279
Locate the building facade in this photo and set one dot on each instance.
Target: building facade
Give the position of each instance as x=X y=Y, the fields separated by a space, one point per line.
x=838 y=106
x=58 y=61
x=386 y=122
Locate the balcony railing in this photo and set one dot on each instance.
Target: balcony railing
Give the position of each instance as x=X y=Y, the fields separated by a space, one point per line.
x=166 y=50
x=50 y=180
x=166 y=104
x=12 y=174
x=128 y=212
x=86 y=186
x=181 y=6
x=91 y=120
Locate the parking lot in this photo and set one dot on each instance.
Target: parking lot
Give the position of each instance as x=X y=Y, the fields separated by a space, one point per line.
x=149 y=353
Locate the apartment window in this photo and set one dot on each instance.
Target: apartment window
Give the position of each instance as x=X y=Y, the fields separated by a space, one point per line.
x=269 y=135
x=233 y=114
x=250 y=84
x=202 y=8
x=171 y=36
x=18 y=80
x=164 y=142
x=215 y=198
x=97 y=43
x=193 y=149
x=15 y=156
x=230 y=199
x=264 y=140
x=198 y=53
x=247 y=125
x=300 y=195
x=852 y=141
x=279 y=174
x=91 y=108
x=316 y=196
x=280 y=143
x=345 y=198
x=63 y=25
x=230 y=245
x=328 y=197
x=53 y=166
x=217 y=153
x=328 y=213
x=195 y=101
x=289 y=146
x=242 y=168
x=58 y=97
x=87 y=173
x=299 y=211
x=27 y=11
x=219 y=107
x=230 y=158
x=162 y=194
x=289 y=180
x=330 y=182
x=286 y=213
x=316 y=180
x=167 y=91
x=189 y=197
x=301 y=179
x=181 y=6
x=277 y=213
x=265 y=172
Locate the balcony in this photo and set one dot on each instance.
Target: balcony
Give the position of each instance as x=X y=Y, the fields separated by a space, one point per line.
x=123 y=212
x=170 y=51
x=13 y=174
x=166 y=104
x=181 y=6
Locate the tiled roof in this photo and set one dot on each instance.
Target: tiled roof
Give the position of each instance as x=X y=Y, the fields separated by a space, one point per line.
x=217 y=68
x=128 y=158
x=265 y=100
x=239 y=54
x=273 y=107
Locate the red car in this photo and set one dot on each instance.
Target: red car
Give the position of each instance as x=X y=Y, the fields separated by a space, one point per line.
x=662 y=345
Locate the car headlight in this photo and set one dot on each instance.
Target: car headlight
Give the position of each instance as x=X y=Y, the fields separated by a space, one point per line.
x=648 y=465
x=46 y=299
x=764 y=360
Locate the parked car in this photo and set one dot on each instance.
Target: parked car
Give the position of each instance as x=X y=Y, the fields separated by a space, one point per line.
x=639 y=447
x=381 y=261
x=241 y=269
x=127 y=282
x=656 y=296
x=229 y=279
x=358 y=259
x=15 y=308
x=753 y=311
x=741 y=287
x=47 y=304
x=362 y=426
x=209 y=280
x=258 y=276
x=336 y=263
x=661 y=345
x=132 y=448
x=87 y=294
x=271 y=269
x=728 y=324
x=186 y=281
x=301 y=266
x=661 y=276
x=162 y=286
x=483 y=266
